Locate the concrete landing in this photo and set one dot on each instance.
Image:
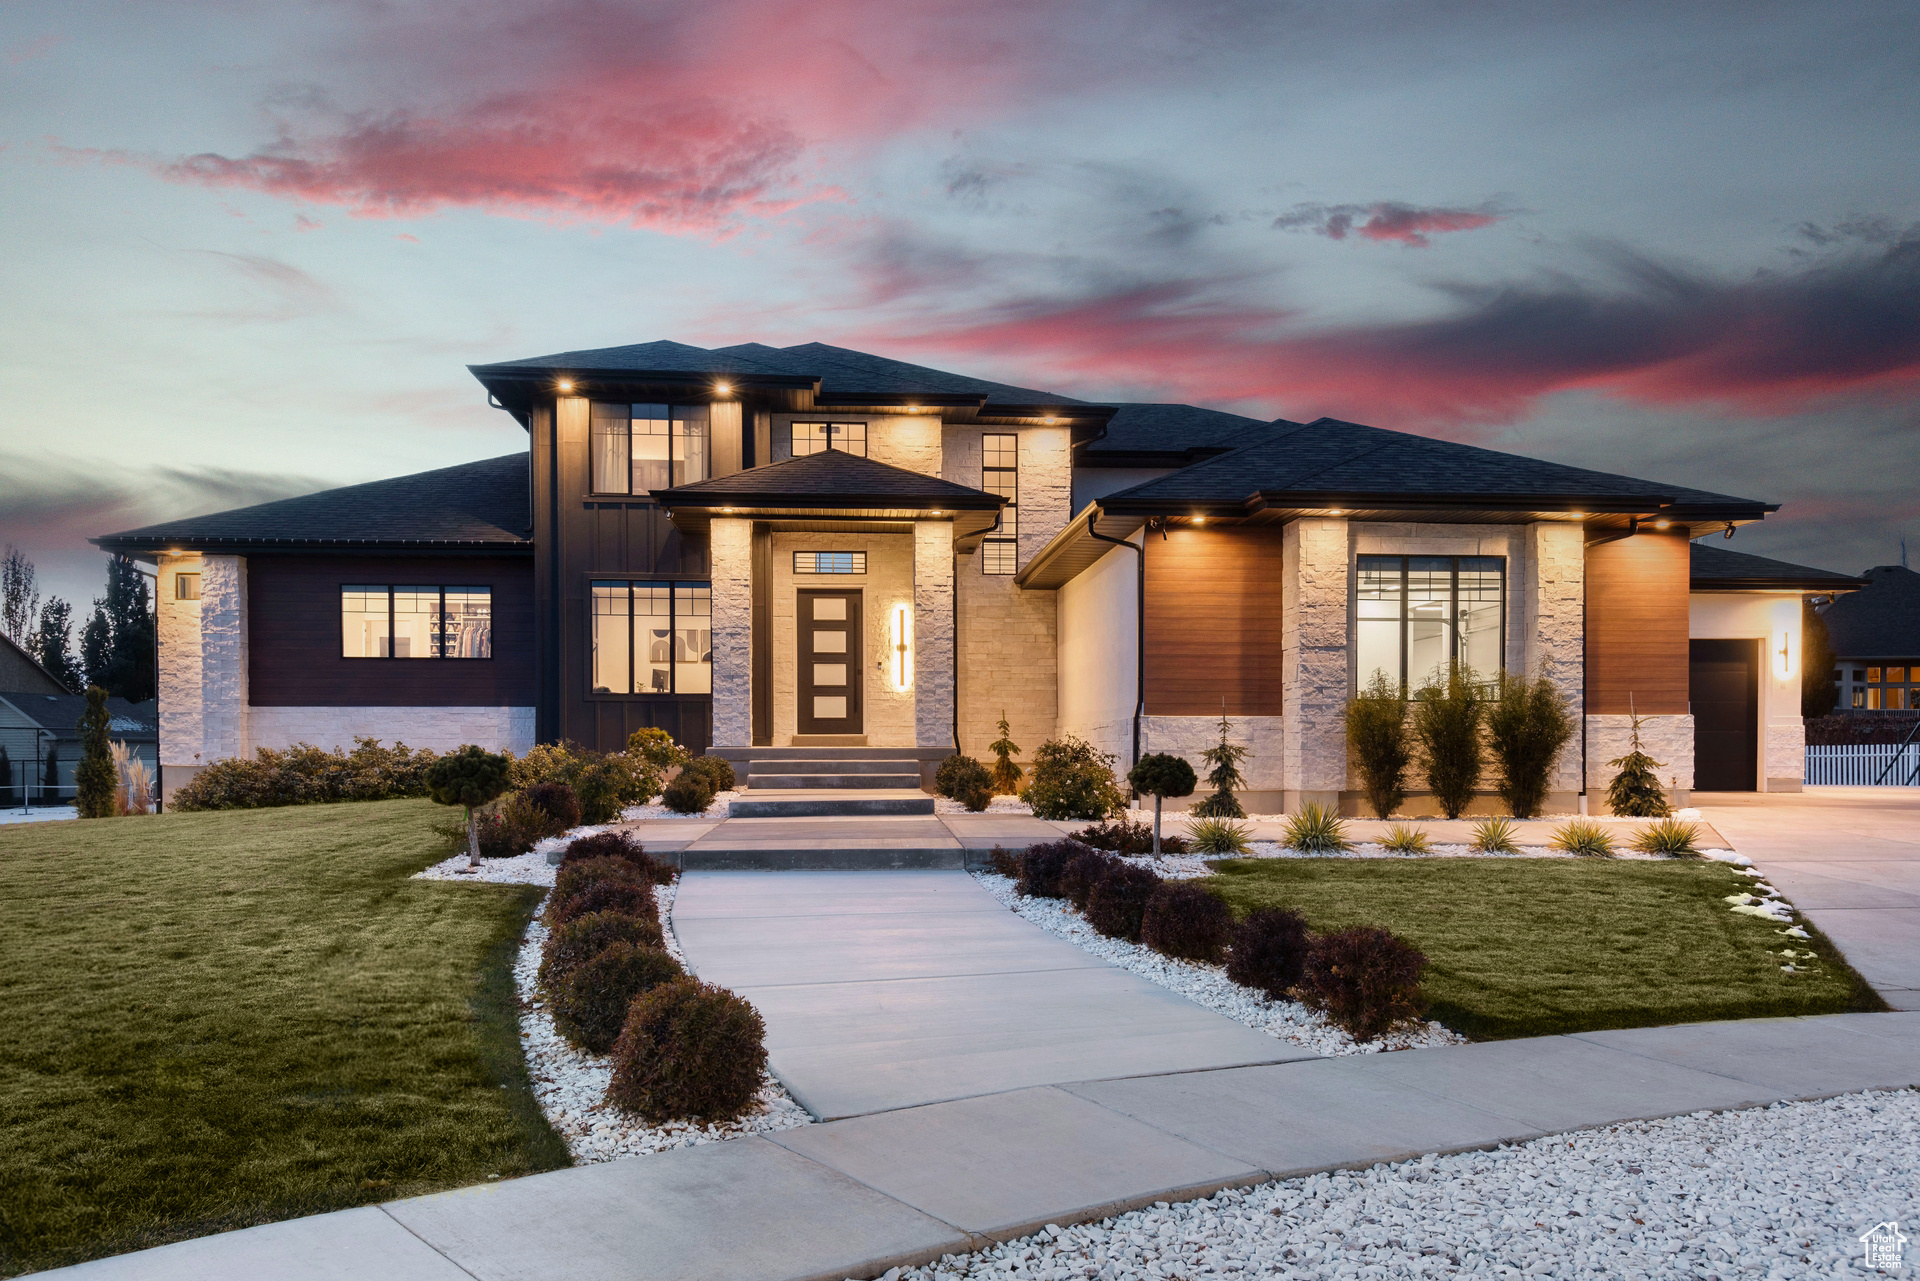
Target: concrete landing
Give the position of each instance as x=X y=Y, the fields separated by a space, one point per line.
x=824 y=803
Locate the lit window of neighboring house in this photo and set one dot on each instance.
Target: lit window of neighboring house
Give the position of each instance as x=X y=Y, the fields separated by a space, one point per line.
x=378 y=621
x=652 y=638
x=818 y=438
x=1886 y=689
x=640 y=448
x=1418 y=614
x=1000 y=474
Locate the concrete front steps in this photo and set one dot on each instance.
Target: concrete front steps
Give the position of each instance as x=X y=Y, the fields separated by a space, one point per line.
x=832 y=782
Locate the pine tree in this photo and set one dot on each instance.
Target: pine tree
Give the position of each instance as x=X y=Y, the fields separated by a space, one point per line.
x=50 y=775
x=6 y=777
x=1006 y=773
x=52 y=643
x=1224 y=773
x=117 y=646
x=1635 y=791
x=95 y=778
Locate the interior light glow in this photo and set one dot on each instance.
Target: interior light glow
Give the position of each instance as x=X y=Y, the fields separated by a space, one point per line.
x=902 y=629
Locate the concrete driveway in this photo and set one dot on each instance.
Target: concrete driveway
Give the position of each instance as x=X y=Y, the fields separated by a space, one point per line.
x=1849 y=857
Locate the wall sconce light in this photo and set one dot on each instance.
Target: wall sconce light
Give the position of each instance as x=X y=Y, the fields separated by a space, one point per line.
x=902 y=628
x=1663 y=524
x=1199 y=520
x=1783 y=653
x=565 y=385
x=723 y=389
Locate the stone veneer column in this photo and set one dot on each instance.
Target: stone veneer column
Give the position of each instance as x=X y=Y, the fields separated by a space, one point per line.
x=182 y=701
x=223 y=658
x=933 y=691
x=730 y=549
x=1554 y=614
x=1313 y=626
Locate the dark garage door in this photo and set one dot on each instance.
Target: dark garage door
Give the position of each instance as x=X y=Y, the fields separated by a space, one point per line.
x=1724 y=687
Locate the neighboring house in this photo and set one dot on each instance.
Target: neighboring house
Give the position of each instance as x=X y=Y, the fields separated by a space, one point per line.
x=21 y=670
x=771 y=548
x=1876 y=642
x=37 y=727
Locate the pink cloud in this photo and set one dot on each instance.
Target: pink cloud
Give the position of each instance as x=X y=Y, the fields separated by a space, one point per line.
x=1387 y=220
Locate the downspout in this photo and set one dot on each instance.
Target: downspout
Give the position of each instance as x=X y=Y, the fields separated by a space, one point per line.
x=1139 y=620
x=1633 y=527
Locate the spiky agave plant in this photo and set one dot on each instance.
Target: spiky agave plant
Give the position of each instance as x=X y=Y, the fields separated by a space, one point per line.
x=1318 y=829
x=1495 y=836
x=1218 y=836
x=1582 y=838
x=1401 y=839
x=1670 y=838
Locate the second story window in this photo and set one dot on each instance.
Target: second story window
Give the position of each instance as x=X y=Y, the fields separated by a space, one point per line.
x=1000 y=474
x=818 y=438
x=638 y=448
x=378 y=621
x=652 y=638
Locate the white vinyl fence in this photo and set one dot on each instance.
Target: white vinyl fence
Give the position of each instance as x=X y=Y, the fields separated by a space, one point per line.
x=1864 y=765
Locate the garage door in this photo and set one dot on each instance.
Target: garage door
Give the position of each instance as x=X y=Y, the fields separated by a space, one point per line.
x=1724 y=688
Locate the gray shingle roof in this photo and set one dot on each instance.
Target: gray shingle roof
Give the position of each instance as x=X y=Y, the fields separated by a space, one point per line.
x=1356 y=463
x=59 y=714
x=1174 y=432
x=481 y=504
x=1880 y=621
x=830 y=478
x=1714 y=566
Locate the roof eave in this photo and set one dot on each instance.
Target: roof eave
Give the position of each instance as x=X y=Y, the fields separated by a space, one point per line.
x=149 y=545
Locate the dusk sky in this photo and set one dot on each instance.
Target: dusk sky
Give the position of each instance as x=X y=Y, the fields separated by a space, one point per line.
x=249 y=249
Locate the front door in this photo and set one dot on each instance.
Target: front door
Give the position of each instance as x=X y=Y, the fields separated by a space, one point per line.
x=1724 y=690
x=829 y=641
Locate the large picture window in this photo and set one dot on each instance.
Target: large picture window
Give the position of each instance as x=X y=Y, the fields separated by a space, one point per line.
x=818 y=438
x=638 y=448
x=652 y=638
x=1416 y=615
x=381 y=621
x=1000 y=474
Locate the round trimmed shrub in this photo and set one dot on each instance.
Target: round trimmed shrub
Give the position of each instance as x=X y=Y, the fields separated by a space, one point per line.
x=1118 y=900
x=1268 y=950
x=1077 y=878
x=1073 y=779
x=688 y=793
x=717 y=770
x=1184 y=921
x=1041 y=865
x=590 y=1003
x=585 y=937
x=960 y=775
x=600 y=885
x=689 y=1051
x=623 y=846
x=557 y=802
x=1364 y=979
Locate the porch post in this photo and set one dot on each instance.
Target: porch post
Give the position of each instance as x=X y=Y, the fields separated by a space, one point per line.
x=933 y=658
x=730 y=548
x=1313 y=662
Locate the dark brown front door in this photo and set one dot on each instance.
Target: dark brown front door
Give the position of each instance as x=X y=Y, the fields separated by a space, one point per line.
x=829 y=640
x=1723 y=687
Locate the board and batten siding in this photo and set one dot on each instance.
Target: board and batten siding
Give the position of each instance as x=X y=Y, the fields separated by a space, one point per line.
x=1637 y=627
x=294 y=647
x=1213 y=621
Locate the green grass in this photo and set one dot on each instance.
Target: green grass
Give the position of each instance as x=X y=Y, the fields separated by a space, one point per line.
x=216 y=1020
x=1532 y=947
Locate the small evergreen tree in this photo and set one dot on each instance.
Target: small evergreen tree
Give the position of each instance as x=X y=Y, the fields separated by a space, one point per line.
x=1161 y=775
x=50 y=775
x=96 y=777
x=1446 y=720
x=6 y=777
x=1819 y=692
x=1528 y=724
x=470 y=777
x=1223 y=761
x=1635 y=791
x=52 y=643
x=1378 y=738
x=1006 y=773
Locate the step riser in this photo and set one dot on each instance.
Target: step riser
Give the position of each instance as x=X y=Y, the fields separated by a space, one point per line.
x=757 y=768
x=827 y=807
x=817 y=860
x=850 y=782
x=739 y=754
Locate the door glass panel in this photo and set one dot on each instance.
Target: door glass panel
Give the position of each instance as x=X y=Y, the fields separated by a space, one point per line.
x=829 y=642
x=830 y=609
x=830 y=708
x=829 y=673
x=415 y=611
x=612 y=641
x=693 y=640
x=653 y=640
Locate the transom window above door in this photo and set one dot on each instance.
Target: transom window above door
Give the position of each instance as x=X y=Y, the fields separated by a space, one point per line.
x=1416 y=615
x=638 y=448
x=818 y=438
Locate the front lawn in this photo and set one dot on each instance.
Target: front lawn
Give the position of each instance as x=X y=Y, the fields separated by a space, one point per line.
x=215 y=1020
x=1532 y=947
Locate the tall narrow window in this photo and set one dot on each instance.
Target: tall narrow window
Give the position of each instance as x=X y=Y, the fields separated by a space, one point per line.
x=1000 y=474
x=379 y=621
x=818 y=438
x=652 y=638
x=1416 y=615
x=638 y=448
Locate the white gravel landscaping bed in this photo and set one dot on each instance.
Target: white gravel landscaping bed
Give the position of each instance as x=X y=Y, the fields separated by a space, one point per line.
x=717 y=808
x=571 y=1084
x=1369 y=849
x=1208 y=985
x=998 y=805
x=1776 y=1192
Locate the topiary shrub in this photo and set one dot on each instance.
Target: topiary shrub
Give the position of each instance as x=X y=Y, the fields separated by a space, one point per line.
x=688 y=793
x=1527 y=726
x=1446 y=720
x=717 y=770
x=558 y=803
x=1041 y=865
x=1073 y=779
x=1161 y=775
x=591 y=1001
x=1378 y=743
x=689 y=1051
x=470 y=778
x=621 y=845
x=585 y=937
x=1118 y=900
x=1268 y=951
x=1081 y=873
x=1123 y=836
x=600 y=885
x=1184 y=921
x=1364 y=979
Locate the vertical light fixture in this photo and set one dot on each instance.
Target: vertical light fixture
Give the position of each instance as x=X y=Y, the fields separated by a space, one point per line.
x=1783 y=653
x=902 y=649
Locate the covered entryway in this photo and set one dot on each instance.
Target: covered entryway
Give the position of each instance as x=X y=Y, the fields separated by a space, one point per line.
x=1723 y=686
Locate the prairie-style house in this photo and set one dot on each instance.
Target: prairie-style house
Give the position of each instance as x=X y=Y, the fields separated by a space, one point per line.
x=809 y=548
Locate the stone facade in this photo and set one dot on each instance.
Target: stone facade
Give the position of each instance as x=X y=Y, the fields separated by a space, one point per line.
x=1553 y=632
x=223 y=658
x=887 y=713
x=1668 y=739
x=1189 y=736
x=181 y=697
x=933 y=691
x=731 y=547
x=1315 y=663
x=441 y=729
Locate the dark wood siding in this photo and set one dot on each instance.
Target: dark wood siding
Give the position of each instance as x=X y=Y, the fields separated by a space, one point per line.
x=1637 y=625
x=1213 y=621
x=293 y=635
x=581 y=538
